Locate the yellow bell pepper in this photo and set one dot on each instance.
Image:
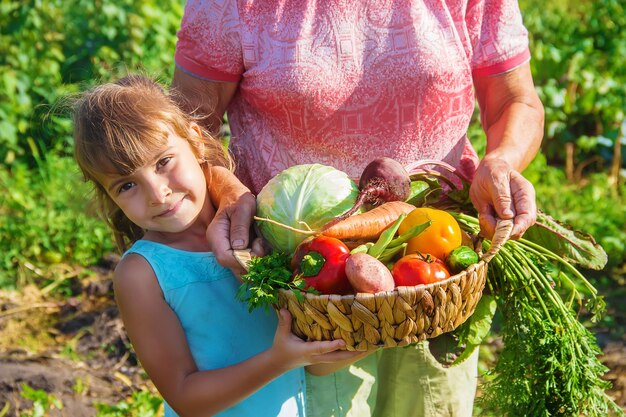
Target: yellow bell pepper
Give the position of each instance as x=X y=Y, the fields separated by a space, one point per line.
x=439 y=239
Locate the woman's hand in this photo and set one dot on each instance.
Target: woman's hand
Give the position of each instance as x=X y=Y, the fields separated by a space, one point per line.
x=231 y=227
x=499 y=191
x=512 y=116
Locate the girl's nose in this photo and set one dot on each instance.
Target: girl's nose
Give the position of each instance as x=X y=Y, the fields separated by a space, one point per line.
x=158 y=192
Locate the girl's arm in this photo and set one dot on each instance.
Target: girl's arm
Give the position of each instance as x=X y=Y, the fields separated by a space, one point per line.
x=161 y=347
x=512 y=116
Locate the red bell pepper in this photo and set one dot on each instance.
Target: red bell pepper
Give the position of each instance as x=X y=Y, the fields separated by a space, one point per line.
x=322 y=262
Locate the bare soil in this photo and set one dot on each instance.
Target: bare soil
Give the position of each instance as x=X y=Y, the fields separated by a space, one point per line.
x=75 y=347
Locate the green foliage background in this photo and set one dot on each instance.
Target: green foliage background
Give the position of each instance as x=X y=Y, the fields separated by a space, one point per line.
x=50 y=51
x=54 y=48
x=576 y=50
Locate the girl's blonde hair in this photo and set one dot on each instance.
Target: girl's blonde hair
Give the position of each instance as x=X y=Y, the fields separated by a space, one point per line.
x=117 y=127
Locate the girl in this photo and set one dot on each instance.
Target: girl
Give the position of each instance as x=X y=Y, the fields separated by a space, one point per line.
x=150 y=164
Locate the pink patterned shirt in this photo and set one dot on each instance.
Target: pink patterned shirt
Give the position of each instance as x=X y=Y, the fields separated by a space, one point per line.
x=340 y=82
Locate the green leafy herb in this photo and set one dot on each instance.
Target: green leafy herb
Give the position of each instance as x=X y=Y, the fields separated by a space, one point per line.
x=549 y=365
x=266 y=275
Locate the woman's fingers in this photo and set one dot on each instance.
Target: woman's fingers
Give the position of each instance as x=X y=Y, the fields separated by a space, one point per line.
x=241 y=214
x=498 y=191
x=218 y=237
x=230 y=229
x=260 y=247
x=482 y=191
x=525 y=204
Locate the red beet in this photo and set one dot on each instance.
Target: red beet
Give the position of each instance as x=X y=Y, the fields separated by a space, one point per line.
x=384 y=179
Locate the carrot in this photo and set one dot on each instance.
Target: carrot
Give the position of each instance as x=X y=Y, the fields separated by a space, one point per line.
x=224 y=186
x=370 y=224
x=360 y=227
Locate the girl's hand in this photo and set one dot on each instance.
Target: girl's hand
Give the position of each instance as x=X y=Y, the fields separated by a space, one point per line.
x=500 y=191
x=293 y=352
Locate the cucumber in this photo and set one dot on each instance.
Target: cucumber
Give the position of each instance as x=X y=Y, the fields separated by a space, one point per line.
x=460 y=258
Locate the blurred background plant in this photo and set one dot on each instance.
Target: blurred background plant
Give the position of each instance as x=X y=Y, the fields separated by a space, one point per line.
x=50 y=51
x=582 y=83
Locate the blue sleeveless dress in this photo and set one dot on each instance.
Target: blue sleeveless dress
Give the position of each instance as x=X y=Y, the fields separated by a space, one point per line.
x=220 y=331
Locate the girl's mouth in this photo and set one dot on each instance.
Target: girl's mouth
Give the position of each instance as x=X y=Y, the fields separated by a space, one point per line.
x=172 y=210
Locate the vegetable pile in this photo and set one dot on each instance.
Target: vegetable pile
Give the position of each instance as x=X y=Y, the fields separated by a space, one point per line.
x=413 y=233
x=351 y=253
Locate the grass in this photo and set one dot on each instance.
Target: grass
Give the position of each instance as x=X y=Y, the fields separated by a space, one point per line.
x=47 y=221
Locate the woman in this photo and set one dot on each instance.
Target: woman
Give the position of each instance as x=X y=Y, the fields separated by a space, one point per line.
x=342 y=82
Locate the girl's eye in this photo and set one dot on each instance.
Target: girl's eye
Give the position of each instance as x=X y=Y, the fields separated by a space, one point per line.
x=126 y=186
x=164 y=161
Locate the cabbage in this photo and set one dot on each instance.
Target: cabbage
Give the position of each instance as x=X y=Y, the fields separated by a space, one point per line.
x=303 y=196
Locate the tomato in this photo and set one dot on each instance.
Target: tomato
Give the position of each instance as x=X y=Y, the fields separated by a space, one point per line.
x=415 y=269
x=439 y=239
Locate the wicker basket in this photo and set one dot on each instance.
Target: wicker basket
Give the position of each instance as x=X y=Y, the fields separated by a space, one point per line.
x=393 y=318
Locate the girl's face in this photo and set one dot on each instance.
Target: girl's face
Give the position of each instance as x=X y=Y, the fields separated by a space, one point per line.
x=167 y=194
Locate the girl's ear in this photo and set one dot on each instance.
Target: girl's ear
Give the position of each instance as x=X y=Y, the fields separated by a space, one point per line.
x=194 y=126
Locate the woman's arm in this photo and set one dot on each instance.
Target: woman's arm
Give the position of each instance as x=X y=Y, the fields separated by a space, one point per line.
x=512 y=116
x=161 y=346
x=207 y=98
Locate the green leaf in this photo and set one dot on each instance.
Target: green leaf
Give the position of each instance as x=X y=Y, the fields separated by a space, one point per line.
x=476 y=328
x=572 y=245
x=425 y=190
x=419 y=192
x=385 y=238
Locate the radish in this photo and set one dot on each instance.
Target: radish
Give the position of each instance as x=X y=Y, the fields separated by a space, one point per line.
x=367 y=274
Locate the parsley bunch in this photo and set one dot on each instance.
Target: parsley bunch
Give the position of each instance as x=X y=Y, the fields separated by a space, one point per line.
x=265 y=276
